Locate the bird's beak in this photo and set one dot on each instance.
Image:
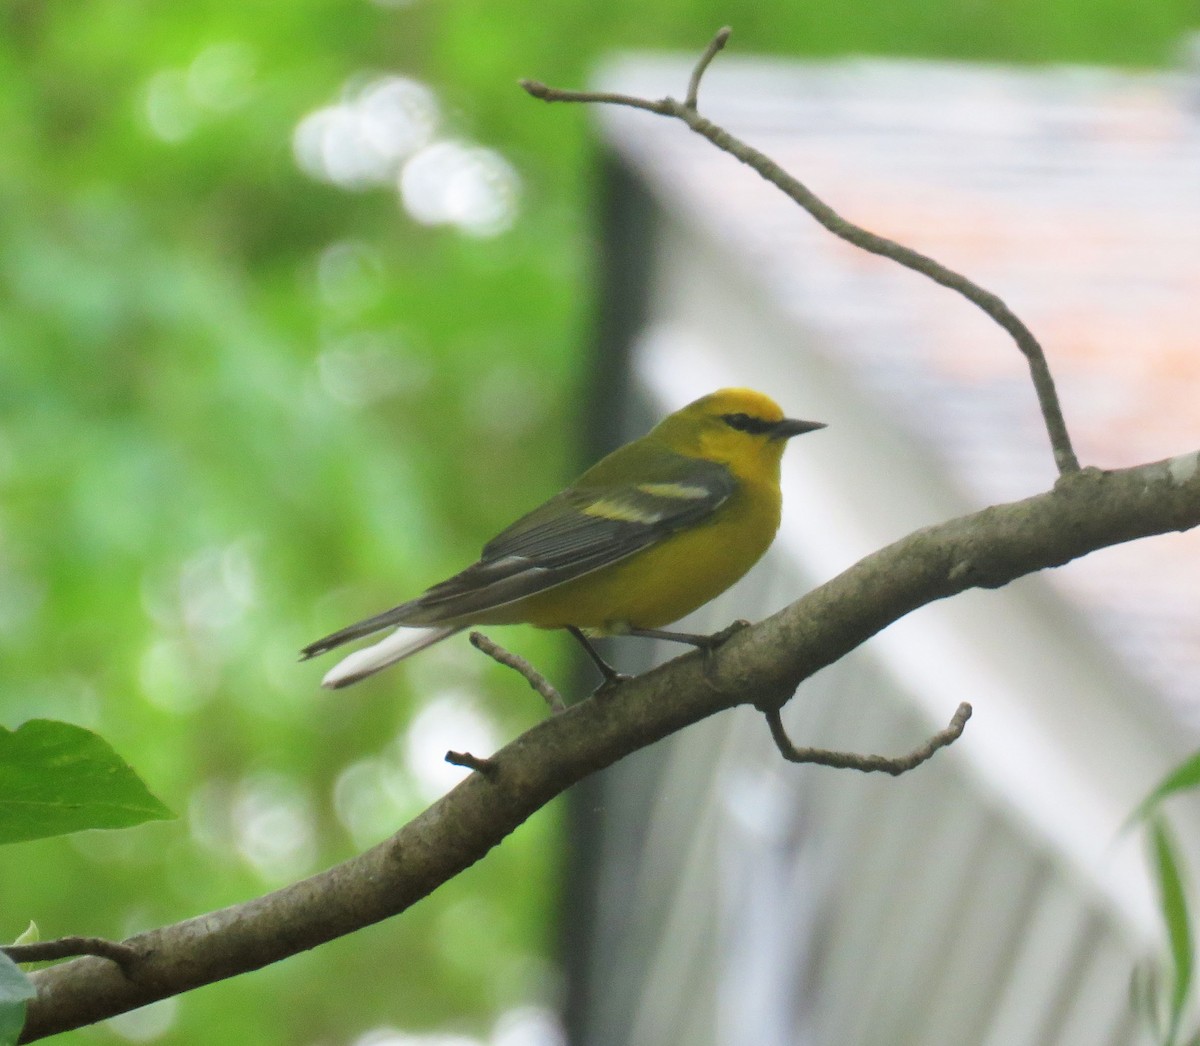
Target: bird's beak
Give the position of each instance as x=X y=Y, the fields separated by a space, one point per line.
x=789 y=427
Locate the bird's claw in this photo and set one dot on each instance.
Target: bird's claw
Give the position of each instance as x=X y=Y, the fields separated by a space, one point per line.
x=719 y=639
x=611 y=682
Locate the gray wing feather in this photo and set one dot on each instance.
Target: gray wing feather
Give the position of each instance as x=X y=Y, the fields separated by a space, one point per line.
x=551 y=546
x=560 y=541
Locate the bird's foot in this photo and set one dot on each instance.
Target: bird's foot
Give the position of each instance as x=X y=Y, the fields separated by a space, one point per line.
x=719 y=639
x=714 y=642
x=612 y=680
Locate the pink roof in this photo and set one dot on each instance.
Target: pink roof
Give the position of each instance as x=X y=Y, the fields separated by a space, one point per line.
x=1072 y=193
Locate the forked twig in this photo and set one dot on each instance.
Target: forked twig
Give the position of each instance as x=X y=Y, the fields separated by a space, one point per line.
x=1043 y=381
x=894 y=765
x=489 y=767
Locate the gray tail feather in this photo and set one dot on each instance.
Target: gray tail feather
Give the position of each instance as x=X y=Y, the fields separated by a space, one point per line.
x=378 y=623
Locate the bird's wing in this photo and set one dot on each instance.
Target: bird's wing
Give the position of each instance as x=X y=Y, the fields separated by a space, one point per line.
x=602 y=519
x=588 y=526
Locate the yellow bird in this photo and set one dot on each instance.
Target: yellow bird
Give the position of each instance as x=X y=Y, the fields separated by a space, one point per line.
x=645 y=536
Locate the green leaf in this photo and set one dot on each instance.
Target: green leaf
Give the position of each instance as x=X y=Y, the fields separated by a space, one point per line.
x=31 y=935
x=1173 y=903
x=57 y=778
x=1185 y=776
x=15 y=990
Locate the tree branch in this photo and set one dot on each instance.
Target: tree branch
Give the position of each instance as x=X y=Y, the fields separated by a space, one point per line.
x=1043 y=382
x=894 y=765
x=760 y=665
x=717 y=44
x=69 y=947
x=519 y=665
x=481 y=765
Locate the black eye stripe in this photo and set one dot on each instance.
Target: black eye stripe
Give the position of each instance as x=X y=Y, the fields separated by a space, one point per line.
x=747 y=423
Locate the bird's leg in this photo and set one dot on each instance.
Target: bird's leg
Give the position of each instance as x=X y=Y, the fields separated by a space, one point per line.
x=705 y=643
x=709 y=644
x=611 y=676
x=690 y=638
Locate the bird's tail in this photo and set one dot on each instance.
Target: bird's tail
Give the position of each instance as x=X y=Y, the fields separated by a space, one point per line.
x=371 y=659
x=378 y=623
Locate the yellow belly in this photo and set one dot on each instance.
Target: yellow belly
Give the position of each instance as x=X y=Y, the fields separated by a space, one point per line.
x=663 y=583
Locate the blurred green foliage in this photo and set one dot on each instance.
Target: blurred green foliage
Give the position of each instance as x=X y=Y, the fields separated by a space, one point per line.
x=240 y=407
x=57 y=778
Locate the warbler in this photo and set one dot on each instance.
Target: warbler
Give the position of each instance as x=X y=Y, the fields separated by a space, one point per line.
x=645 y=536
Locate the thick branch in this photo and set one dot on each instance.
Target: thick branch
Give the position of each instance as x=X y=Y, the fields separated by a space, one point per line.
x=1039 y=370
x=761 y=665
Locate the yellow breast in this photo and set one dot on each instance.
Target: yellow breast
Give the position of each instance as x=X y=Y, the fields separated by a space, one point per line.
x=667 y=581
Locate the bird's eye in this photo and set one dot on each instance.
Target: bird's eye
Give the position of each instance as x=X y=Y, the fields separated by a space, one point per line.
x=746 y=423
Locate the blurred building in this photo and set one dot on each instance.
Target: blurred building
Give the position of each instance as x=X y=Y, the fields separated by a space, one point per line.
x=723 y=896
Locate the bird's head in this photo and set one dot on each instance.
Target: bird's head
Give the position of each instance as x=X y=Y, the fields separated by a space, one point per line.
x=734 y=426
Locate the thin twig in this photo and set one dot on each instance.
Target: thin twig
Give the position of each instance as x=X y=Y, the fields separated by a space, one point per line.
x=518 y=664
x=710 y=52
x=894 y=765
x=487 y=767
x=993 y=306
x=553 y=94
x=69 y=947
